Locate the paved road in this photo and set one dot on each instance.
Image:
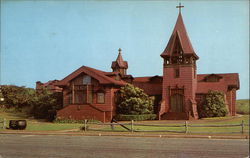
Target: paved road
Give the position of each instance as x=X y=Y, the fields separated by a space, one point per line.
x=45 y=146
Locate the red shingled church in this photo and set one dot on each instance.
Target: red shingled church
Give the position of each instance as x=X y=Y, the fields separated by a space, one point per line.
x=89 y=93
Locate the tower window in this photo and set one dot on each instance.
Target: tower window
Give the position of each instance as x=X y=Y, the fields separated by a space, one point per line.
x=177 y=73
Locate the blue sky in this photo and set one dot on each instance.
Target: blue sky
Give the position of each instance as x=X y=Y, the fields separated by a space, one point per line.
x=46 y=40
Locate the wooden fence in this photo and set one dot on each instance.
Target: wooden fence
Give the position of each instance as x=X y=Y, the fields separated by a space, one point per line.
x=186 y=127
x=3 y=123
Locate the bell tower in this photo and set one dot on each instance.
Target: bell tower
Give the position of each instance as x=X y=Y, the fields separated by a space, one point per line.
x=179 y=75
x=120 y=65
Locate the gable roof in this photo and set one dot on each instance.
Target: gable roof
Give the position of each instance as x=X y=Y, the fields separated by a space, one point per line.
x=49 y=85
x=101 y=76
x=226 y=81
x=179 y=33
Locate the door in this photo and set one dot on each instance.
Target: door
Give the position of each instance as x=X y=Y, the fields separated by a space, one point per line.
x=176 y=103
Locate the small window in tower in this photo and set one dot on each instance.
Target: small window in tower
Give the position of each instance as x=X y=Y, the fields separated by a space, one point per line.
x=177 y=73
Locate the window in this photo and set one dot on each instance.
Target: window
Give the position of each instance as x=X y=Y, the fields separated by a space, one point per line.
x=86 y=79
x=81 y=94
x=100 y=97
x=177 y=73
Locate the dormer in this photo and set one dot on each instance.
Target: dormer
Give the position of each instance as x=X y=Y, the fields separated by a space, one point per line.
x=212 y=78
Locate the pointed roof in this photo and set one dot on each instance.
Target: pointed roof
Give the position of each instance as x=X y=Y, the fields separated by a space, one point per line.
x=119 y=61
x=179 y=35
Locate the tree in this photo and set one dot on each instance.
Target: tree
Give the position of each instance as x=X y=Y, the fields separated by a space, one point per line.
x=42 y=104
x=45 y=104
x=214 y=105
x=16 y=97
x=133 y=101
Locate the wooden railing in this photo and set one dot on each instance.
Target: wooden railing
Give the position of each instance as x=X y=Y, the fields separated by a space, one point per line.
x=185 y=127
x=3 y=123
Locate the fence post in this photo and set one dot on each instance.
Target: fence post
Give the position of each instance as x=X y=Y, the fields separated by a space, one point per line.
x=4 y=123
x=132 y=126
x=186 y=127
x=85 y=125
x=242 y=126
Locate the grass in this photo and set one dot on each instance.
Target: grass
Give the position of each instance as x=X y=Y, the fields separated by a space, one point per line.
x=210 y=121
x=41 y=125
x=242 y=106
x=36 y=125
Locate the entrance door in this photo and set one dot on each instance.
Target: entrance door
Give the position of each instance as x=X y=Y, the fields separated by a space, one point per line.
x=176 y=103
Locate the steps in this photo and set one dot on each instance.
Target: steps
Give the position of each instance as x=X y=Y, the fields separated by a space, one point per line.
x=175 y=116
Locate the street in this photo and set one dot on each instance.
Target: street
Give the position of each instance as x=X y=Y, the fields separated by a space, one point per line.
x=54 y=146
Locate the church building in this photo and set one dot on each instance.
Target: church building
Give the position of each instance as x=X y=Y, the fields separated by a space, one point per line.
x=89 y=93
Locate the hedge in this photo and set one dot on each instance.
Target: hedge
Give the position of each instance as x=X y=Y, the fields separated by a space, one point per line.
x=60 y=120
x=121 y=117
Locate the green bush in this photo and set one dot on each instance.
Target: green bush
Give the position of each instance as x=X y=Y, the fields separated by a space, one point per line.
x=214 y=105
x=45 y=104
x=121 y=117
x=41 y=105
x=133 y=101
x=59 y=120
x=242 y=106
x=16 y=97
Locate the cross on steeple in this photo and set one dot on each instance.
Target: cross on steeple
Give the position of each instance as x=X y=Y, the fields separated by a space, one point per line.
x=180 y=6
x=119 y=50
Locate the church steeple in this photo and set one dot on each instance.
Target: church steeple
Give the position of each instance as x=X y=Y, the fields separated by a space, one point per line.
x=179 y=44
x=120 y=65
x=179 y=74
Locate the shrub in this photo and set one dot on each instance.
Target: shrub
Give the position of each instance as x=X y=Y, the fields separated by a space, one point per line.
x=42 y=105
x=133 y=101
x=121 y=117
x=60 y=120
x=45 y=104
x=17 y=97
x=214 y=105
x=242 y=106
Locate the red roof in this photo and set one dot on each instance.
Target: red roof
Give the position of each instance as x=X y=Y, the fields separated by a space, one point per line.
x=152 y=85
x=180 y=33
x=226 y=80
x=51 y=85
x=101 y=76
x=146 y=78
x=142 y=79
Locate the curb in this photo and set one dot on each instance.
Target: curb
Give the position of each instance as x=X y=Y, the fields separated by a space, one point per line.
x=131 y=135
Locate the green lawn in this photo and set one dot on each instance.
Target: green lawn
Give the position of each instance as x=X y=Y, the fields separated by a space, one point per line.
x=40 y=125
x=242 y=106
x=36 y=125
x=203 y=122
